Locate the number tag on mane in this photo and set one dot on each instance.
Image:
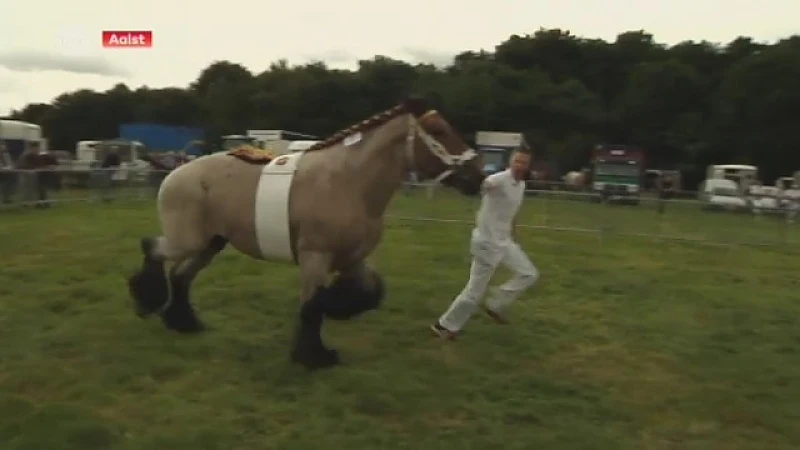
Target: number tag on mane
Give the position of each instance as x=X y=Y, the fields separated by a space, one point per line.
x=352 y=139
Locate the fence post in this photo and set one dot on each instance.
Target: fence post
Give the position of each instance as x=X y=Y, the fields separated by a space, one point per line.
x=546 y=207
x=602 y=228
x=785 y=229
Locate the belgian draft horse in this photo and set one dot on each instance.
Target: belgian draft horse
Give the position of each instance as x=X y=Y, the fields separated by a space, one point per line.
x=321 y=209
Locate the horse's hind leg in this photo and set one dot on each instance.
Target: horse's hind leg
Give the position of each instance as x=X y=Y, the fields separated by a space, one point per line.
x=148 y=286
x=180 y=315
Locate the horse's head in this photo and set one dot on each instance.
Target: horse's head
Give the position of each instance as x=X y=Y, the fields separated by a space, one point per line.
x=436 y=151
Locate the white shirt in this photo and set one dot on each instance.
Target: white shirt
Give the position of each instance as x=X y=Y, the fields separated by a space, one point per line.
x=502 y=197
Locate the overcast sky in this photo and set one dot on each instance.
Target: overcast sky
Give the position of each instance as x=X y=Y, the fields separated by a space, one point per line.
x=49 y=47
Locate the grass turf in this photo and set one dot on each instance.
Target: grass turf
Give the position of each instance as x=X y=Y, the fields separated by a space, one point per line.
x=626 y=342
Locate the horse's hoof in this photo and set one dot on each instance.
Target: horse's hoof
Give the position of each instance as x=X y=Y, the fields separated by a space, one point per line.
x=318 y=359
x=184 y=326
x=140 y=311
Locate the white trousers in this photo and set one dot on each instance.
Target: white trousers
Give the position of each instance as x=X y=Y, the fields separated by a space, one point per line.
x=485 y=260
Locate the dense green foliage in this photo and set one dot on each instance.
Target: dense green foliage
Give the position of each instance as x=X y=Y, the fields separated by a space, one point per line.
x=689 y=105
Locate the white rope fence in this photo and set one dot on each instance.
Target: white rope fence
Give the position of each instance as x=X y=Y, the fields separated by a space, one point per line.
x=780 y=239
x=601 y=232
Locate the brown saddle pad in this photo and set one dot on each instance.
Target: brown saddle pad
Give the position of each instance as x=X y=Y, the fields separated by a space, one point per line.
x=253 y=155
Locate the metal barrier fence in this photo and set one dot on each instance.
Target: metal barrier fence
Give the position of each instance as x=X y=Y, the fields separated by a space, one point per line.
x=673 y=219
x=43 y=188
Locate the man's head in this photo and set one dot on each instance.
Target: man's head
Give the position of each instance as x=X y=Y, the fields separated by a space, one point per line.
x=520 y=163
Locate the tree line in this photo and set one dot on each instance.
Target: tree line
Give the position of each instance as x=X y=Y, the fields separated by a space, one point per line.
x=688 y=105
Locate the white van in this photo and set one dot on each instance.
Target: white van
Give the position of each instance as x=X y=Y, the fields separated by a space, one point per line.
x=299 y=146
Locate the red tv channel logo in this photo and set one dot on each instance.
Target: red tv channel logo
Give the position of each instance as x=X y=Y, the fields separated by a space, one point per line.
x=127 y=39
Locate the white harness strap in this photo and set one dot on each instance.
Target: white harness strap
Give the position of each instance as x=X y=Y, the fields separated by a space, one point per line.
x=452 y=162
x=272 y=207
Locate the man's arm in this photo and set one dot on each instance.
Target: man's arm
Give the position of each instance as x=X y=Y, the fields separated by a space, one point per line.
x=489 y=184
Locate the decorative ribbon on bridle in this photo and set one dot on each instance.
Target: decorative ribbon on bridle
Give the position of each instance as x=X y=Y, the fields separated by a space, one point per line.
x=451 y=162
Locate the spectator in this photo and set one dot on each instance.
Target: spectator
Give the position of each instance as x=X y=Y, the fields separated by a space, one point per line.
x=111 y=162
x=33 y=170
x=665 y=191
x=46 y=176
x=8 y=177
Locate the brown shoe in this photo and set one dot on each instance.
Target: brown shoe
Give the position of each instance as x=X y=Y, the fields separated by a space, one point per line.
x=443 y=332
x=496 y=316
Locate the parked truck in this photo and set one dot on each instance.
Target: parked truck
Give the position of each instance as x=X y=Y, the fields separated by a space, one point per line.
x=617 y=173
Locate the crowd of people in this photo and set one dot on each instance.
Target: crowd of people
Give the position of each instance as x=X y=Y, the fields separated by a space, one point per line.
x=28 y=179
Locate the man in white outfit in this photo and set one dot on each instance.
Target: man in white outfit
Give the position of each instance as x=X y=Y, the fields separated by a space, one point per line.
x=493 y=243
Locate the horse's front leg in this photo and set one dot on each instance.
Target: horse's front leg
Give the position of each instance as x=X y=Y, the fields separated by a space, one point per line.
x=355 y=290
x=308 y=347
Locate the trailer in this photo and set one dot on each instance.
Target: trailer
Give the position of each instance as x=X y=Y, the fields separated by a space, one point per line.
x=19 y=136
x=300 y=146
x=276 y=141
x=496 y=146
x=656 y=179
x=743 y=175
x=90 y=154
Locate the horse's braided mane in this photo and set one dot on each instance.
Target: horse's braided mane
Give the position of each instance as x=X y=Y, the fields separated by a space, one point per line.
x=365 y=125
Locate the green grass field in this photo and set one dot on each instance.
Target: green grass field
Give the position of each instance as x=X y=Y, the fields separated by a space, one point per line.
x=625 y=343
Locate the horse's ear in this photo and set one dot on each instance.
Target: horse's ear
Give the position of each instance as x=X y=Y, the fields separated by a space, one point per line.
x=416 y=105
